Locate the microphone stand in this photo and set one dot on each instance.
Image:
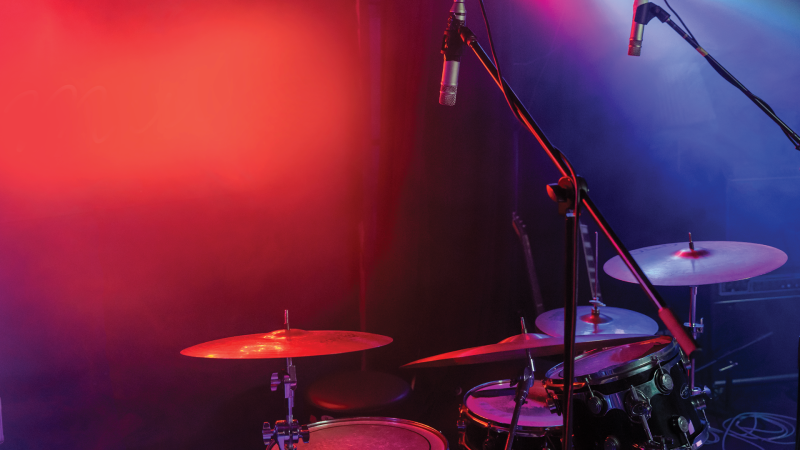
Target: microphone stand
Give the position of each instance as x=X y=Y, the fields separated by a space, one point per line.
x=654 y=11
x=572 y=195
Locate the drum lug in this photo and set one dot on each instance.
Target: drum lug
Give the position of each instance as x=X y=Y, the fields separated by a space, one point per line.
x=680 y=425
x=597 y=405
x=657 y=443
x=639 y=409
x=663 y=380
x=491 y=437
x=699 y=403
x=552 y=404
x=611 y=443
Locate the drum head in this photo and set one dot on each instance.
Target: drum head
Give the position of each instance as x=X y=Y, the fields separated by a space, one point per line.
x=534 y=413
x=372 y=433
x=617 y=359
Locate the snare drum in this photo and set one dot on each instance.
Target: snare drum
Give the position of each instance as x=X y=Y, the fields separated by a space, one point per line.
x=486 y=417
x=372 y=433
x=633 y=396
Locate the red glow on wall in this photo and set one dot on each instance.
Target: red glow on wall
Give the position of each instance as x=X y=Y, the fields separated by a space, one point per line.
x=108 y=100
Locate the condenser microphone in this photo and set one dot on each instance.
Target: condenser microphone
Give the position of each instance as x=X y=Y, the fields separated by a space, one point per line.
x=452 y=48
x=637 y=27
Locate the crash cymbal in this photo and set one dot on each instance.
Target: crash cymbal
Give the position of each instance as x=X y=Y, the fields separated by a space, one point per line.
x=515 y=349
x=287 y=344
x=609 y=321
x=708 y=263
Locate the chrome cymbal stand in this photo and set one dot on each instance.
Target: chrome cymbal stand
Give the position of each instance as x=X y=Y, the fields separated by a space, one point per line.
x=695 y=326
x=286 y=432
x=524 y=383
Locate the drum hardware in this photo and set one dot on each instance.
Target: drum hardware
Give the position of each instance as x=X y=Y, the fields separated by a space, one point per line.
x=681 y=425
x=552 y=404
x=639 y=409
x=286 y=432
x=707 y=262
x=663 y=379
x=287 y=343
x=592 y=271
x=484 y=420
x=643 y=389
x=611 y=443
x=523 y=383
x=597 y=404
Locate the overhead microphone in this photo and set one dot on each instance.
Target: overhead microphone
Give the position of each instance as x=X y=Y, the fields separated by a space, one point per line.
x=640 y=19
x=452 y=48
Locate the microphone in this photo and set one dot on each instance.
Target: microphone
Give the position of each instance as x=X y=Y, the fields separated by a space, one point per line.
x=640 y=19
x=452 y=48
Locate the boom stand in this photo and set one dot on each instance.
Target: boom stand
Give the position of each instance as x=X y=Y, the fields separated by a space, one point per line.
x=647 y=11
x=573 y=186
x=286 y=432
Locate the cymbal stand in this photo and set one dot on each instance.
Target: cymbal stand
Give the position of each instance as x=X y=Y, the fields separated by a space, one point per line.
x=286 y=432
x=594 y=316
x=695 y=327
x=524 y=383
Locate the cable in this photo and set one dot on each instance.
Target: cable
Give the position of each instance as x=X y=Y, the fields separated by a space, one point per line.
x=494 y=57
x=766 y=428
x=681 y=20
x=729 y=78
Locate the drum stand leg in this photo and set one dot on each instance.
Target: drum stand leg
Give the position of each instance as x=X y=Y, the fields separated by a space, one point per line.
x=286 y=432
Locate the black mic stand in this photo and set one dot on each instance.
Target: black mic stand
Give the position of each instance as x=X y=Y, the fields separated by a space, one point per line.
x=572 y=195
x=651 y=10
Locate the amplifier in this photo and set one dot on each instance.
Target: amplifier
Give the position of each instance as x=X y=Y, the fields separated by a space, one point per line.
x=755 y=323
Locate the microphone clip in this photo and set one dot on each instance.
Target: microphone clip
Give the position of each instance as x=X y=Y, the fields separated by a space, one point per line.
x=647 y=11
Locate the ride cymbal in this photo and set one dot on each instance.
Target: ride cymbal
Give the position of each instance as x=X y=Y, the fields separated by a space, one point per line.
x=709 y=262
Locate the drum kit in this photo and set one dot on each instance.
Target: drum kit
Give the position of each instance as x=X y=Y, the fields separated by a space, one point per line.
x=632 y=389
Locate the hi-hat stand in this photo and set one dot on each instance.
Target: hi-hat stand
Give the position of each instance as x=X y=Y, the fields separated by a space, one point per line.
x=286 y=432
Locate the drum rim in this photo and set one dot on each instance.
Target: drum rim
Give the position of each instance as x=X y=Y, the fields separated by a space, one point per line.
x=324 y=423
x=501 y=426
x=622 y=370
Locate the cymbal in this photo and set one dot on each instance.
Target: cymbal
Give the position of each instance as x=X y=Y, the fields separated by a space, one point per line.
x=514 y=348
x=710 y=262
x=287 y=344
x=610 y=321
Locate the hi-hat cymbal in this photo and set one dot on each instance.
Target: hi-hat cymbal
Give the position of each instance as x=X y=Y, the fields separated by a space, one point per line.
x=708 y=263
x=287 y=344
x=515 y=348
x=609 y=321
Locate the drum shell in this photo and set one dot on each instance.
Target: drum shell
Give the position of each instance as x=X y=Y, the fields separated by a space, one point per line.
x=480 y=433
x=360 y=432
x=591 y=430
